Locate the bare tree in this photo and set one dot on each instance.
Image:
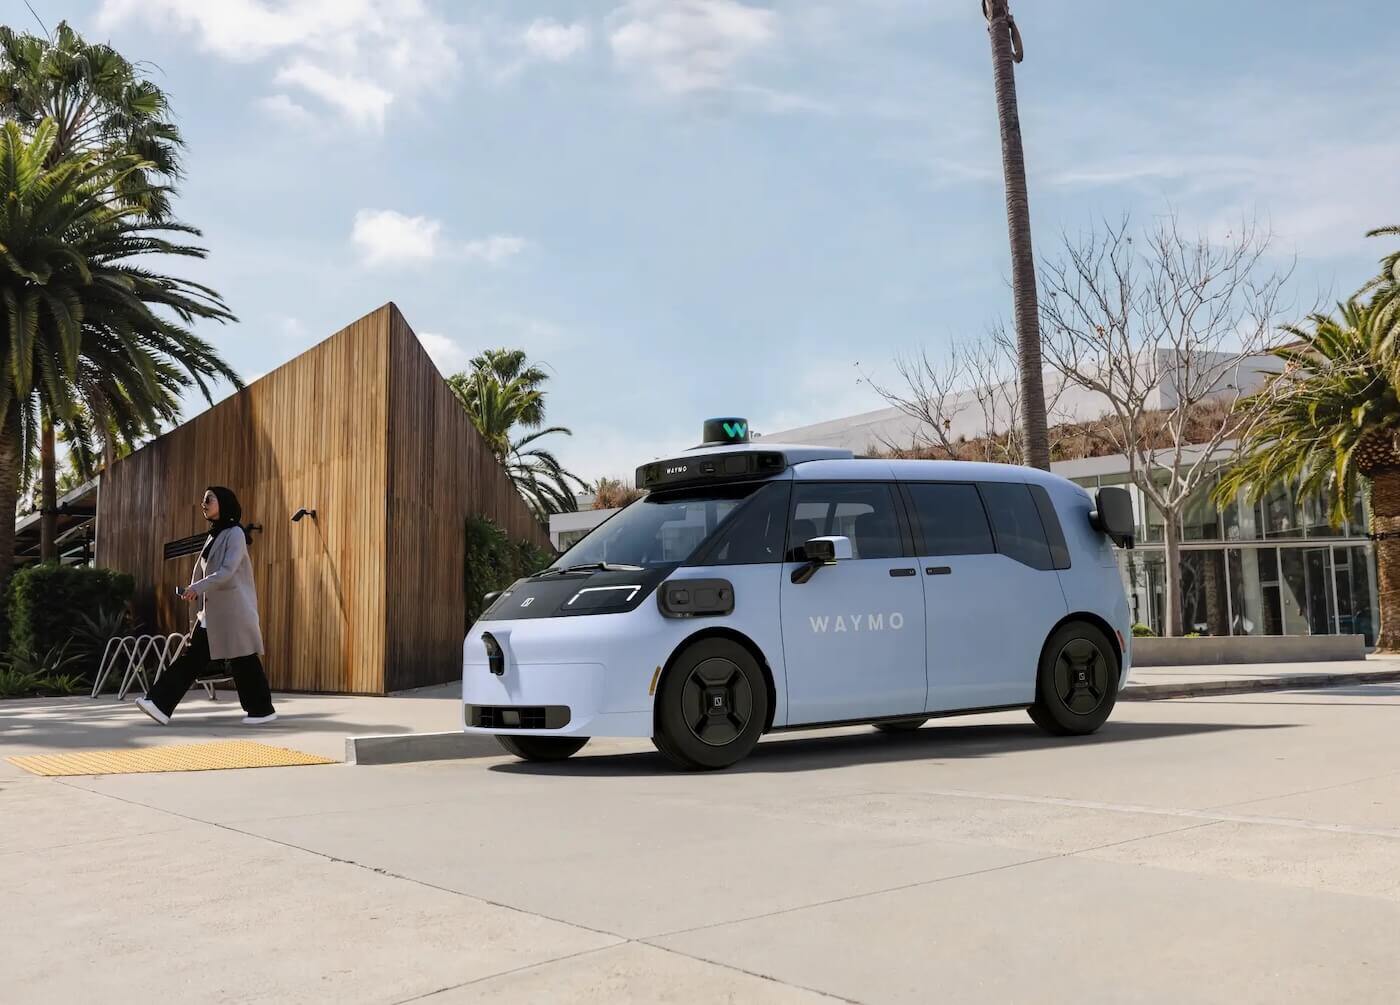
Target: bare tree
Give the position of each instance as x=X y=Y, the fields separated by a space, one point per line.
x=1007 y=51
x=966 y=405
x=1168 y=332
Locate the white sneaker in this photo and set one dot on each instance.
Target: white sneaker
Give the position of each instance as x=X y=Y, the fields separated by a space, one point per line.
x=250 y=720
x=149 y=707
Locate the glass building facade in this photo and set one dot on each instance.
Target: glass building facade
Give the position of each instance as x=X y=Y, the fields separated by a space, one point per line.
x=1273 y=568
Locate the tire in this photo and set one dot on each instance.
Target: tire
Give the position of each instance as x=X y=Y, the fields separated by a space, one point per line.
x=692 y=731
x=1077 y=681
x=542 y=748
x=899 y=725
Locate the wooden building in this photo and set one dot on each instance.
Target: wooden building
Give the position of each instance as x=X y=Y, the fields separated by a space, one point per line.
x=365 y=597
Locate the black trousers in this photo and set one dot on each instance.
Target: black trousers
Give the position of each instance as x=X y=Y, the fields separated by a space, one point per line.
x=247 y=671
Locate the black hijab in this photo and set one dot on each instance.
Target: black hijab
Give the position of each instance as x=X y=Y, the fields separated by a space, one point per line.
x=230 y=515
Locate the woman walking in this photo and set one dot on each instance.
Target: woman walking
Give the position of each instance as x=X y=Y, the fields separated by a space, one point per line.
x=226 y=628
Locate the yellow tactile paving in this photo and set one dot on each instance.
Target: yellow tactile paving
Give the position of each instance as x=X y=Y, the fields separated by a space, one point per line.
x=178 y=757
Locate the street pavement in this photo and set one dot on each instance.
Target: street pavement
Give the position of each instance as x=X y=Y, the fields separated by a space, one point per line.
x=1236 y=849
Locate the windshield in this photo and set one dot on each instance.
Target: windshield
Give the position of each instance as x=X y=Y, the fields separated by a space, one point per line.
x=658 y=529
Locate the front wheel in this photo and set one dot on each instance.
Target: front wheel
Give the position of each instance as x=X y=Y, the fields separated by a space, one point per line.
x=712 y=706
x=542 y=748
x=1077 y=684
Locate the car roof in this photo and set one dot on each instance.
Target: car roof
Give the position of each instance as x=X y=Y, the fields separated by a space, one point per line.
x=836 y=464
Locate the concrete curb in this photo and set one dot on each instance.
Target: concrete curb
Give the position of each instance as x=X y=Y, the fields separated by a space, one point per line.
x=401 y=748
x=1291 y=682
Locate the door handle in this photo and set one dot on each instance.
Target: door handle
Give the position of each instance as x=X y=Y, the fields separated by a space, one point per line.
x=903 y=572
x=939 y=570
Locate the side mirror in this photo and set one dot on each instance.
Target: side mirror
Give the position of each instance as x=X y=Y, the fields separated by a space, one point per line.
x=822 y=551
x=1113 y=515
x=487 y=599
x=828 y=550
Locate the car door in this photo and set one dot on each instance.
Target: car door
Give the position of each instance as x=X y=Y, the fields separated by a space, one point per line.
x=853 y=634
x=991 y=591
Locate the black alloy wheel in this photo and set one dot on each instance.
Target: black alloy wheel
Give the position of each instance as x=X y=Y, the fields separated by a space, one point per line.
x=711 y=707
x=1077 y=683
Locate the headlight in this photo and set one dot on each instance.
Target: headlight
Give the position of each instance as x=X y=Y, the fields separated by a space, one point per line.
x=495 y=656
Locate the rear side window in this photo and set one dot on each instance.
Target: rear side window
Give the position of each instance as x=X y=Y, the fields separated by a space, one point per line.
x=1016 y=523
x=951 y=519
x=1050 y=520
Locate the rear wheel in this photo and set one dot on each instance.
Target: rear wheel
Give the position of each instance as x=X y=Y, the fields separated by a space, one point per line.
x=899 y=725
x=711 y=707
x=542 y=748
x=1077 y=684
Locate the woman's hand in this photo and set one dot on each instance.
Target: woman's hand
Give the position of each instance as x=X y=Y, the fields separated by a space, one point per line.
x=189 y=595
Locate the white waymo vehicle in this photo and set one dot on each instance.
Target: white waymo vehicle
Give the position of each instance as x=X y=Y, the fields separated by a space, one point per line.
x=761 y=587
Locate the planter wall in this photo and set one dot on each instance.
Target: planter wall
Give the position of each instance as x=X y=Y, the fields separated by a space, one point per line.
x=1149 y=652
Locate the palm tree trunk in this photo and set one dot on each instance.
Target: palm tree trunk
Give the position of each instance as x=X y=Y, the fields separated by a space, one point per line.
x=48 y=493
x=11 y=462
x=1385 y=520
x=1018 y=222
x=1171 y=560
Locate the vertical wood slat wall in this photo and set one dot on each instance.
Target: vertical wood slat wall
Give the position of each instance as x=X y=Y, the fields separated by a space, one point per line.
x=369 y=596
x=310 y=433
x=441 y=472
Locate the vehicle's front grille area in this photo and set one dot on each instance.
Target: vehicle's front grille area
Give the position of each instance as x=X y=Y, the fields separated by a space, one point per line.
x=518 y=716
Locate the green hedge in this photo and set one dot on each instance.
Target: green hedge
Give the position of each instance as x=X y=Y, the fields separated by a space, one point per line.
x=49 y=605
x=494 y=561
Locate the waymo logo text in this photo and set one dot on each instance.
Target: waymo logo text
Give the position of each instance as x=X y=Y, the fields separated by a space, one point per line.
x=857 y=622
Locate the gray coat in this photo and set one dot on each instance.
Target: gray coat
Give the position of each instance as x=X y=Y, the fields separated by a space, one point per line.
x=228 y=601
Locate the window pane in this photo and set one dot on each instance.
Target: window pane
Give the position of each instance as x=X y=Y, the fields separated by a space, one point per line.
x=952 y=519
x=1203 y=606
x=755 y=535
x=1019 y=533
x=863 y=512
x=1275 y=514
x=1200 y=520
x=1357 y=613
x=1305 y=592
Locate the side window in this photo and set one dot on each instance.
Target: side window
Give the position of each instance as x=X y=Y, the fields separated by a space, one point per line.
x=1016 y=521
x=951 y=518
x=755 y=534
x=1050 y=520
x=861 y=511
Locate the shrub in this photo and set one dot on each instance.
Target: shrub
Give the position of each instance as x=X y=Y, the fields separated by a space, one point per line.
x=1141 y=631
x=28 y=672
x=494 y=562
x=48 y=605
x=611 y=493
x=1192 y=635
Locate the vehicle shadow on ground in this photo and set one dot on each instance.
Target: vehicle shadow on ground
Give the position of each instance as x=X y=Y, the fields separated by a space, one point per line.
x=781 y=752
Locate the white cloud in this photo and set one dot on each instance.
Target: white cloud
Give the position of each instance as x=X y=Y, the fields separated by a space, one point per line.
x=285 y=110
x=494 y=249
x=355 y=56
x=446 y=353
x=360 y=100
x=385 y=237
x=388 y=237
x=689 y=46
x=549 y=40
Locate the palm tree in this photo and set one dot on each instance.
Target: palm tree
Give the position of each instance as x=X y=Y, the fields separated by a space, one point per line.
x=503 y=392
x=85 y=326
x=1006 y=50
x=100 y=102
x=1385 y=290
x=1331 y=417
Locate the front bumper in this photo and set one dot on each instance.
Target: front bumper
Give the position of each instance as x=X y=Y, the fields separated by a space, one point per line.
x=533 y=694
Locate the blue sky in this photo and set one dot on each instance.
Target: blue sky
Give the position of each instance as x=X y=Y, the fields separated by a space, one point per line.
x=705 y=207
